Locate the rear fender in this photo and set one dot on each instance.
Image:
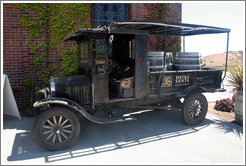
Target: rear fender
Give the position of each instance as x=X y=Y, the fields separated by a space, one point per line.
x=194 y=89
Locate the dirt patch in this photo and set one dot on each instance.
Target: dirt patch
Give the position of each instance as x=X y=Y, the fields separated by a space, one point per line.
x=228 y=116
x=218 y=60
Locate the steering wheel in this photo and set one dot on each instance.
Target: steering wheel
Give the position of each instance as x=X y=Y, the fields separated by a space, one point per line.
x=114 y=66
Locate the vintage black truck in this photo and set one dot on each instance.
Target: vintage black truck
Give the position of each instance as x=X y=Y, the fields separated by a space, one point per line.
x=117 y=74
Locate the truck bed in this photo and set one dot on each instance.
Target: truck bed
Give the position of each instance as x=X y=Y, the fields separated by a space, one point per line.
x=176 y=81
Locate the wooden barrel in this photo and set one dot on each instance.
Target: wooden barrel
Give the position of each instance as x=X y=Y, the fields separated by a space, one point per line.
x=156 y=61
x=238 y=108
x=188 y=61
x=169 y=61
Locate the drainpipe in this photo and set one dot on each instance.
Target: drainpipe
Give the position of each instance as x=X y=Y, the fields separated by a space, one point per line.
x=46 y=41
x=33 y=77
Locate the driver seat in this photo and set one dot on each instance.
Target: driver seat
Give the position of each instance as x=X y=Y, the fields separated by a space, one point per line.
x=125 y=86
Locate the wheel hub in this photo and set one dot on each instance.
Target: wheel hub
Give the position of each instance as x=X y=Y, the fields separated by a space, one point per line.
x=195 y=109
x=57 y=129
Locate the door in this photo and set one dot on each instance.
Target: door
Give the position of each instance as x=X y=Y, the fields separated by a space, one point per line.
x=99 y=74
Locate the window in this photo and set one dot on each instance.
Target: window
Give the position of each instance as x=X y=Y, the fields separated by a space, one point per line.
x=100 y=49
x=85 y=54
x=107 y=12
x=85 y=50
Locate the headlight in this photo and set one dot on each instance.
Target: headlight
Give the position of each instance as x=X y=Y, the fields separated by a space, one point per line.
x=52 y=89
x=45 y=92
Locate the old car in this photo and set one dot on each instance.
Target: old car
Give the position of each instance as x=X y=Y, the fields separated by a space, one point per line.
x=118 y=75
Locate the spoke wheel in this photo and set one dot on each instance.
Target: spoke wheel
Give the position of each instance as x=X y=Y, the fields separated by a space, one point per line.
x=56 y=129
x=194 y=109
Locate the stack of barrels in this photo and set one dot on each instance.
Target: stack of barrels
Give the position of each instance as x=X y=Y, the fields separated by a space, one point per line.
x=156 y=61
x=183 y=61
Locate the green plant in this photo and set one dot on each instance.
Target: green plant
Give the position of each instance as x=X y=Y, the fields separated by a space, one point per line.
x=29 y=112
x=53 y=22
x=28 y=85
x=226 y=105
x=235 y=76
x=162 y=12
x=70 y=62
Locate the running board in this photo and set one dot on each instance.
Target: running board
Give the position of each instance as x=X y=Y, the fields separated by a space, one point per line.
x=110 y=120
x=153 y=107
x=121 y=119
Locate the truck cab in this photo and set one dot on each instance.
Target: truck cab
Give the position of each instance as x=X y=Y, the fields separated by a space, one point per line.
x=111 y=62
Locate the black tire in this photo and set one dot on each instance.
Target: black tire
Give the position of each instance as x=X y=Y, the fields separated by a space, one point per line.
x=194 y=109
x=56 y=129
x=37 y=112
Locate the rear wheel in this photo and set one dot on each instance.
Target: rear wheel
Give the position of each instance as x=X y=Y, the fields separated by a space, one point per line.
x=56 y=129
x=194 y=109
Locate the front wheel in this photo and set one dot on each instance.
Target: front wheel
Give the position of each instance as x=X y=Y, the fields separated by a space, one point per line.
x=56 y=129
x=194 y=109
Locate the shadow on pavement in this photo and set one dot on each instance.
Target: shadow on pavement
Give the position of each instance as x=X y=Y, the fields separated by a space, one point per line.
x=95 y=138
x=229 y=127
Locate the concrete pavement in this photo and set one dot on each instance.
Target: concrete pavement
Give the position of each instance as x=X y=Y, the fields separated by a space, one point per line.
x=156 y=137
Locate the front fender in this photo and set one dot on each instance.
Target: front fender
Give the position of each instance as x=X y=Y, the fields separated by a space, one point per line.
x=46 y=101
x=61 y=101
x=75 y=106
